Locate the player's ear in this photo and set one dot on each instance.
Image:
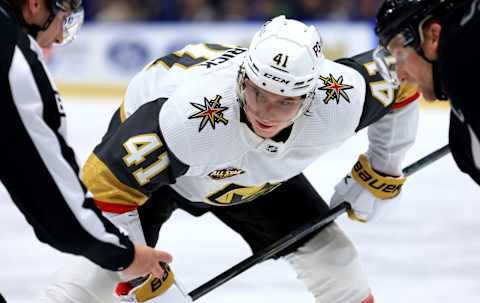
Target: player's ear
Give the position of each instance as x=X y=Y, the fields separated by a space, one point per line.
x=435 y=30
x=33 y=5
x=30 y=10
x=431 y=38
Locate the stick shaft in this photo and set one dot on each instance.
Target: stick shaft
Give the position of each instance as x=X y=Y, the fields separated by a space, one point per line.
x=425 y=161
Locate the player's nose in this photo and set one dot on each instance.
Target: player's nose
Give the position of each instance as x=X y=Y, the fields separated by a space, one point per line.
x=402 y=73
x=59 y=36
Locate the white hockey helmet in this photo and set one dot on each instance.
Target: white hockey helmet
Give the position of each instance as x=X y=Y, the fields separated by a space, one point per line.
x=284 y=58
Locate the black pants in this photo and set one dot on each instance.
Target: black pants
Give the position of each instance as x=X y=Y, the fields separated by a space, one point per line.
x=2 y=299
x=260 y=222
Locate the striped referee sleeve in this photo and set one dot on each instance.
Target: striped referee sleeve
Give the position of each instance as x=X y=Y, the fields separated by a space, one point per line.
x=39 y=168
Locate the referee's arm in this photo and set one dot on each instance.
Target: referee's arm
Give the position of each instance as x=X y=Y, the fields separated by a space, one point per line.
x=39 y=169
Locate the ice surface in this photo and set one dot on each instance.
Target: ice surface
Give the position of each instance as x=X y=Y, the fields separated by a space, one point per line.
x=426 y=250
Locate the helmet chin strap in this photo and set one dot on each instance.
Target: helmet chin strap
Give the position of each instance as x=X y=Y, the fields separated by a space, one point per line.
x=32 y=29
x=437 y=83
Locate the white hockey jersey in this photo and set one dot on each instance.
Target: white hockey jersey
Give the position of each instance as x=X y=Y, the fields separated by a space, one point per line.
x=181 y=125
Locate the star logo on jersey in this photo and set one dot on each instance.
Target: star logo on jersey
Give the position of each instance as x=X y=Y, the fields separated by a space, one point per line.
x=335 y=89
x=211 y=111
x=225 y=173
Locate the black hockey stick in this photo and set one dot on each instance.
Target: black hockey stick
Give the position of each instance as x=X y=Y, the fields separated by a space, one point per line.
x=300 y=233
x=427 y=160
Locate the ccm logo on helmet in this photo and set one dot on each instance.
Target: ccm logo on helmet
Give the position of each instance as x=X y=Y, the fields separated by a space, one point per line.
x=373 y=182
x=275 y=78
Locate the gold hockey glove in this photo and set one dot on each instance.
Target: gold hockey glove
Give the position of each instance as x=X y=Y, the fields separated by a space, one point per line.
x=151 y=289
x=369 y=192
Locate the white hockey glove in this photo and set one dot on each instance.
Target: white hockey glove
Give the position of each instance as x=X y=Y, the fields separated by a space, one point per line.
x=153 y=290
x=369 y=193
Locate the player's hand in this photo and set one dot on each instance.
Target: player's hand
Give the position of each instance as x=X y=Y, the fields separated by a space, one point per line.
x=146 y=261
x=369 y=193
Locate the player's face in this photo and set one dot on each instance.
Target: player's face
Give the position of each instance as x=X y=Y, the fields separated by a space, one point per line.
x=54 y=33
x=269 y=113
x=411 y=67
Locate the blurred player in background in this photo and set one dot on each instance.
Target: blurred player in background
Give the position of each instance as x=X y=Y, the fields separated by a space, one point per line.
x=229 y=130
x=39 y=168
x=434 y=45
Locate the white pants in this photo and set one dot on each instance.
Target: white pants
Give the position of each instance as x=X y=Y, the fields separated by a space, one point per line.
x=82 y=282
x=328 y=265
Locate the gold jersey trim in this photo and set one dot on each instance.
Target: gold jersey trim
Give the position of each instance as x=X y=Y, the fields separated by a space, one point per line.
x=405 y=91
x=105 y=187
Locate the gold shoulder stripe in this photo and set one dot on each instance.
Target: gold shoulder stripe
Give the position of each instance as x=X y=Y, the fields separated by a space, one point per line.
x=183 y=59
x=217 y=47
x=105 y=187
x=123 y=115
x=406 y=91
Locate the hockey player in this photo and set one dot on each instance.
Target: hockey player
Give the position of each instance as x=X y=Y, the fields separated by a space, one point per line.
x=431 y=41
x=229 y=130
x=39 y=169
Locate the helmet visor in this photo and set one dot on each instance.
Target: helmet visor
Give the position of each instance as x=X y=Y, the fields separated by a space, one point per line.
x=395 y=53
x=72 y=25
x=386 y=65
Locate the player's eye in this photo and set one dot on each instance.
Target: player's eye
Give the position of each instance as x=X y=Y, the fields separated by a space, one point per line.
x=287 y=103
x=257 y=93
